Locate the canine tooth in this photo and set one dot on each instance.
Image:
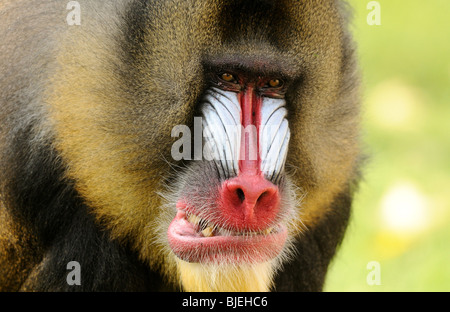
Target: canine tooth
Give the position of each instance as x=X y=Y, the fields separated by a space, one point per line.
x=207 y=232
x=268 y=231
x=194 y=219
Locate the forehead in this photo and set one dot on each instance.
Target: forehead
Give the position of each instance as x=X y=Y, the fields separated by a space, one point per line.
x=270 y=36
x=279 y=23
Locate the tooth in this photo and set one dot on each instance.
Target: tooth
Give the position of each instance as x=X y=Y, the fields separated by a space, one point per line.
x=194 y=219
x=268 y=231
x=207 y=232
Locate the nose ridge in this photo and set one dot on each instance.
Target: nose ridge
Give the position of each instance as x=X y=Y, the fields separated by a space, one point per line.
x=250 y=202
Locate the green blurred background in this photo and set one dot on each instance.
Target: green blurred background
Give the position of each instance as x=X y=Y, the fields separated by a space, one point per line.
x=401 y=216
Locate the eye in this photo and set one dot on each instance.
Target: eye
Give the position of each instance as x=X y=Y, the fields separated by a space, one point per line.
x=275 y=83
x=227 y=77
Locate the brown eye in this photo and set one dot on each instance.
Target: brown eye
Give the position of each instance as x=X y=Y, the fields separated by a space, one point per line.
x=227 y=77
x=273 y=83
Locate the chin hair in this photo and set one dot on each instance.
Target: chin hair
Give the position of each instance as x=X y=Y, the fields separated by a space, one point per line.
x=216 y=277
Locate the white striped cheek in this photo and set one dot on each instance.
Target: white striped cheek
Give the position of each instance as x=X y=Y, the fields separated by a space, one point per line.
x=274 y=135
x=222 y=130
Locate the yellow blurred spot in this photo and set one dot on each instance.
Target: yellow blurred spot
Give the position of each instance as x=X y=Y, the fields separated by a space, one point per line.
x=394 y=104
x=390 y=245
x=404 y=209
x=405 y=213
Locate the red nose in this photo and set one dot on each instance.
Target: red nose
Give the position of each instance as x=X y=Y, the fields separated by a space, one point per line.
x=249 y=202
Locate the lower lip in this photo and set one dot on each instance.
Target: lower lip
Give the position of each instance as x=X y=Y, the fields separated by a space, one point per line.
x=192 y=247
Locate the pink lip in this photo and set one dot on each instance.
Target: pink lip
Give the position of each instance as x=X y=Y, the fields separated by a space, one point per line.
x=191 y=246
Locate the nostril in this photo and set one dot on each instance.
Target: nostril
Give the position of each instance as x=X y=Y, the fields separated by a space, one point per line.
x=261 y=196
x=240 y=194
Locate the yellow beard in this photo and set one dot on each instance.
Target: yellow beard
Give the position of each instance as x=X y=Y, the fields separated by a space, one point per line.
x=226 y=277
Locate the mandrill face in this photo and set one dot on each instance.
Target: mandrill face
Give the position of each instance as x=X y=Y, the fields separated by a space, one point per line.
x=234 y=209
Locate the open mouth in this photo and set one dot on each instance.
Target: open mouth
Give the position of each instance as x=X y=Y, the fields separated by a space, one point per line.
x=194 y=239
